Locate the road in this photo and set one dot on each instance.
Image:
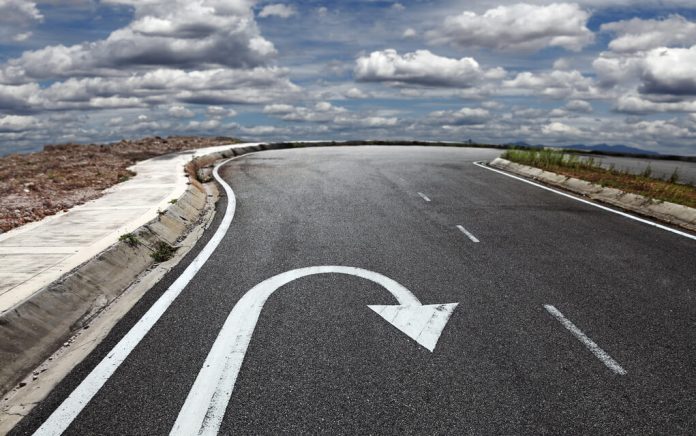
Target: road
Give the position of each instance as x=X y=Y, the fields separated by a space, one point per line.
x=663 y=169
x=552 y=295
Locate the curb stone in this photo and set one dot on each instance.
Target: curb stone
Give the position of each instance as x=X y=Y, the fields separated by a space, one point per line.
x=40 y=325
x=671 y=213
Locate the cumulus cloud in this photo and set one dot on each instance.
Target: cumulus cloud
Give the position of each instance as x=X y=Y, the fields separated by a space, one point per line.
x=656 y=80
x=17 y=123
x=356 y=93
x=464 y=116
x=325 y=112
x=669 y=71
x=219 y=112
x=173 y=53
x=180 y=112
x=278 y=10
x=557 y=128
x=17 y=17
x=409 y=33
x=639 y=34
x=636 y=104
x=581 y=106
x=518 y=27
x=173 y=33
x=554 y=84
x=422 y=68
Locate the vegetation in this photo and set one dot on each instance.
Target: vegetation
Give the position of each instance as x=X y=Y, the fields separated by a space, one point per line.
x=589 y=169
x=130 y=239
x=162 y=252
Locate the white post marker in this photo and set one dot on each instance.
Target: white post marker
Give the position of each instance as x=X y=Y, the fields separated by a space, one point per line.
x=205 y=406
x=424 y=197
x=602 y=355
x=468 y=234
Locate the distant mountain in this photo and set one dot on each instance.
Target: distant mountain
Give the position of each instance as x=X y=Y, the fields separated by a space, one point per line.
x=605 y=148
x=618 y=148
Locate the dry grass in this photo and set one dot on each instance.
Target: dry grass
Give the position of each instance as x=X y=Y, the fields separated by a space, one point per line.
x=589 y=170
x=36 y=185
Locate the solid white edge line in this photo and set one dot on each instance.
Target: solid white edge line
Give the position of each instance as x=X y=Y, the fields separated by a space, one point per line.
x=63 y=416
x=624 y=214
x=468 y=233
x=425 y=197
x=602 y=355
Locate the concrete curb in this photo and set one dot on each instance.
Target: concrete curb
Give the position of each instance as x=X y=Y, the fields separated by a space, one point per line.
x=671 y=213
x=33 y=330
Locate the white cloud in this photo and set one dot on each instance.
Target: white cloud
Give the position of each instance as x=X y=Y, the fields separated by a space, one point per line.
x=518 y=27
x=17 y=123
x=579 y=106
x=219 y=111
x=174 y=33
x=554 y=84
x=657 y=80
x=335 y=116
x=180 y=112
x=422 y=68
x=398 y=7
x=639 y=34
x=409 y=33
x=638 y=105
x=16 y=18
x=464 y=116
x=669 y=71
x=278 y=10
x=356 y=93
x=560 y=129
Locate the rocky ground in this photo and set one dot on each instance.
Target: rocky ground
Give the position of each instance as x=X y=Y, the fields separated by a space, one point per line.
x=36 y=185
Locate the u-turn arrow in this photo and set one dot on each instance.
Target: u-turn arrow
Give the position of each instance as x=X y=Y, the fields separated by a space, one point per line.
x=205 y=405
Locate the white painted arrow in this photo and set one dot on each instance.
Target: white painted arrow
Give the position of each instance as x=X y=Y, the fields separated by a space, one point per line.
x=205 y=405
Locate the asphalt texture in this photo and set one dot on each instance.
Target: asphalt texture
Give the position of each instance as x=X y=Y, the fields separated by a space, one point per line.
x=659 y=168
x=321 y=361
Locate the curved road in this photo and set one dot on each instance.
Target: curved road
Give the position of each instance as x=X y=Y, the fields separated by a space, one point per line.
x=571 y=319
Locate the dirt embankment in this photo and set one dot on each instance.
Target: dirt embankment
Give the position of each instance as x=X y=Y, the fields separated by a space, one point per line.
x=36 y=185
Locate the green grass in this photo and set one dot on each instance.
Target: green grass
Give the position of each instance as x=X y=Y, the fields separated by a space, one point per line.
x=590 y=170
x=162 y=252
x=130 y=239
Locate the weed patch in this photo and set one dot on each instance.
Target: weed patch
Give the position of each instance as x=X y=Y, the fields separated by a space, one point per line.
x=130 y=239
x=162 y=252
x=590 y=170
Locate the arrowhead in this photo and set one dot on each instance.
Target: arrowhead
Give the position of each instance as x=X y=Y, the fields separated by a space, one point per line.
x=424 y=324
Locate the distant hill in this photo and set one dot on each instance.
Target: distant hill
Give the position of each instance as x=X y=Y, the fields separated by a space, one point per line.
x=602 y=148
x=607 y=148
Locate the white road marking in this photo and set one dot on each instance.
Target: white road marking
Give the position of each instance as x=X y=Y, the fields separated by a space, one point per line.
x=205 y=406
x=423 y=324
x=624 y=214
x=424 y=197
x=468 y=234
x=64 y=415
x=589 y=343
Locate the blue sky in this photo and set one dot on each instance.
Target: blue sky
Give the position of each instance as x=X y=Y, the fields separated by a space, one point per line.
x=491 y=71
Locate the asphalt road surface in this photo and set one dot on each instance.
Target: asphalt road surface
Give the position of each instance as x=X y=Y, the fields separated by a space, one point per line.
x=571 y=319
x=659 y=168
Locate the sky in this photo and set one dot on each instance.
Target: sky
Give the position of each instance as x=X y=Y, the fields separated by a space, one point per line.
x=97 y=71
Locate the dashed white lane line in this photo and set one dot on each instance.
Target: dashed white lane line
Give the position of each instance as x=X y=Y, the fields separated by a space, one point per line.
x=64 y=415
x=468 y=234
x=424 y=197
x=589 y=343
x=608 y=209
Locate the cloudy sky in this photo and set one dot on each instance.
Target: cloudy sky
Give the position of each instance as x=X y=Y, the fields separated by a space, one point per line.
x=620 y=72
